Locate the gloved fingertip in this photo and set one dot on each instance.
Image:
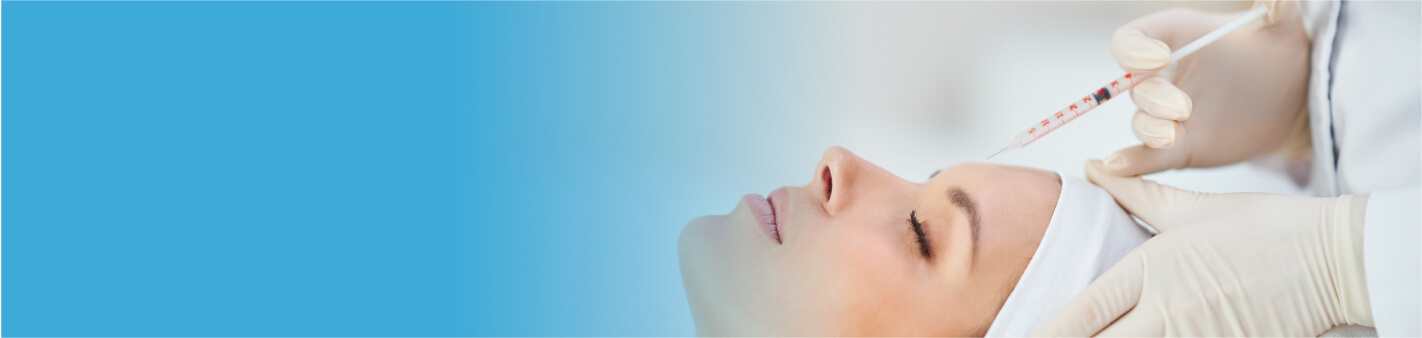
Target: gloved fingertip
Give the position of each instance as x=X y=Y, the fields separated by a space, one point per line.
x=1115 y=163
x=1138 y=53
x=1160 y=98
x=1177 y=132
x=1273 y=6
x=1098 y=171
x=1163 y=136
x=1189 y=106
x=1090 y=165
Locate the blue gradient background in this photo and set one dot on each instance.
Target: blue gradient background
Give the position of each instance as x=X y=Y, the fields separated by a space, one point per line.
x=485 y=168
x=381 y=169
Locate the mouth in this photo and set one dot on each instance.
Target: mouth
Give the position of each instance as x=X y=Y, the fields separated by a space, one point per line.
x=764 y=210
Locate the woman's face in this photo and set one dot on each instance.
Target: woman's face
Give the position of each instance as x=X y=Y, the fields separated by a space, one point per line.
x=842 y=255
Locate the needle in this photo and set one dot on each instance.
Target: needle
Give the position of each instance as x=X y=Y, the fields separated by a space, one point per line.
x=998 y=152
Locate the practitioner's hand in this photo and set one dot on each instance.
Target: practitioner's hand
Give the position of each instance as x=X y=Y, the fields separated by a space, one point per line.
x=1244 y=264
x=1236 y=98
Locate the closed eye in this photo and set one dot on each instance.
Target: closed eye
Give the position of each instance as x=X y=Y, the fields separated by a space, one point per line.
x=923 y=247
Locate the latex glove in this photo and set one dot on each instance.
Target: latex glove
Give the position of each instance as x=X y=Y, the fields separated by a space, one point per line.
x=1239 y=97
x=1245 y=264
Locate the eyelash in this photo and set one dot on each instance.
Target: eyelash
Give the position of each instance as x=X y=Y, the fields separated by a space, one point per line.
x=918 y=231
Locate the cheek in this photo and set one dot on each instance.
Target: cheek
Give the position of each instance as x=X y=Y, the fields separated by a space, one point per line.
x=845 y=246
x=859 y=280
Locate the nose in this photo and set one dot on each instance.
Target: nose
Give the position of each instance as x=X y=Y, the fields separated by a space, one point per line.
x=836 y=178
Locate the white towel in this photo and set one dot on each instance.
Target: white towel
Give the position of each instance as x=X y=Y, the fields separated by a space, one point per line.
x=1088 y=233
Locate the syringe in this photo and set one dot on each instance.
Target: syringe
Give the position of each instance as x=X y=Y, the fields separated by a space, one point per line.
x=1121 y=85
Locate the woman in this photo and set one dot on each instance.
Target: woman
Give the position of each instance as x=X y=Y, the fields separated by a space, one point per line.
x=860 y=251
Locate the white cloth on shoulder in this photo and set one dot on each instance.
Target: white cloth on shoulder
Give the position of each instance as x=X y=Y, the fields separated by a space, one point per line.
x=1088 y=233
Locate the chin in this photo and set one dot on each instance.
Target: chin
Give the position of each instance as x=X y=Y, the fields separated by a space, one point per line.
x=694 y=233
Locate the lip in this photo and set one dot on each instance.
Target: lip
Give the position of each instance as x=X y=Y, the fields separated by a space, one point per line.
x=764 y=211
x=779 y=200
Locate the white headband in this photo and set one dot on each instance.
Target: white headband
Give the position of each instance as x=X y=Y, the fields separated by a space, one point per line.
x=1088 y=233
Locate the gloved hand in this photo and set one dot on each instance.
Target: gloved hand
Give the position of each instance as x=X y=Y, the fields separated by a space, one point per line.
x=1239 y=97
x=1245 y=264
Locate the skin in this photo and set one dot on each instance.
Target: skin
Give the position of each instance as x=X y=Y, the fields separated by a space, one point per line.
x=848 y=263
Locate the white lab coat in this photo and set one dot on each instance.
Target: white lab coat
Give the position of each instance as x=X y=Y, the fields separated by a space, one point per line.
x=1365 y=110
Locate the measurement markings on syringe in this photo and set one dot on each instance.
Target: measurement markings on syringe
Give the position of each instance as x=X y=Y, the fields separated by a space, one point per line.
x=1122 y=84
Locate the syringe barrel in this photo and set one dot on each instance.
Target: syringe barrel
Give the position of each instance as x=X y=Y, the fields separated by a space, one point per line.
x=1125 y=83
x=1077 y=109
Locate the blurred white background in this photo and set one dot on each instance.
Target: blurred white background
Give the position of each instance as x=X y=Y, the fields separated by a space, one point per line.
x=927 y=85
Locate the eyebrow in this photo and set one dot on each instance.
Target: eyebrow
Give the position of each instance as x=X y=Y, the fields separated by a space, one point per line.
x=960 y=198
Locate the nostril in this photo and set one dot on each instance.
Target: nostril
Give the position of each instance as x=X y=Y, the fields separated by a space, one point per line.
x=828 y=181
